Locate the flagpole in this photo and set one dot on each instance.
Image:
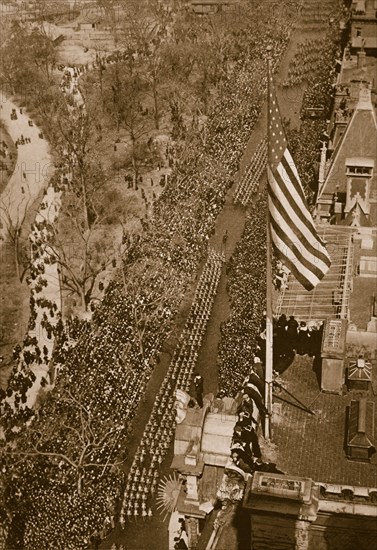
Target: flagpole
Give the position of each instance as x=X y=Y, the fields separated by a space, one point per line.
x=269 y=319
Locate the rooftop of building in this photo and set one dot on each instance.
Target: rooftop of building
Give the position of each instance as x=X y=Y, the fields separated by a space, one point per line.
x=363 y=288
x=352 y=72
x=364 y=9
x=313 y=445
x=357 y=141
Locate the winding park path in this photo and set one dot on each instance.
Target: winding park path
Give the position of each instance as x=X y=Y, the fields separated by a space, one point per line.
x=33 y=168
x=31 y=176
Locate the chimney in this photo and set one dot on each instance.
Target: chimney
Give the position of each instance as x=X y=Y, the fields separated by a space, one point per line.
x=361 y=55
x=360 y=59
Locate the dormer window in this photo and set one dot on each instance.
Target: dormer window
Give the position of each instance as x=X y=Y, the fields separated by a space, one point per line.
x=360 y=7
x=359 y=170
x=359 y=166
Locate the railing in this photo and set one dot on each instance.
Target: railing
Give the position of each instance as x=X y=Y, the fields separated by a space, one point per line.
x=347 y=279
x=295 y=301
x=280 y=300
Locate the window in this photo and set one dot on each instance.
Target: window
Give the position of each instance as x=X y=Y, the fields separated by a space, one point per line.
x=359 y=170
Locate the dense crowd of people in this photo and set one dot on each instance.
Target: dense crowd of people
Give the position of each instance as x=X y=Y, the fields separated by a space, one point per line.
x=103 y=370
x=5 y=161
x=318 y=69
x=144 y=475
x=247 y=291
x=323 y=76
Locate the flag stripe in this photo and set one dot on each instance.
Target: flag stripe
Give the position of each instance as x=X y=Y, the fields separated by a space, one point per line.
x=289 y=238
x=296 y=183
x=305 y=276
x=297 y=252
x=295 y=210
x=292 y=228
x=288 y=215
x=293 y=176
x=297 y=272
x=291 y=241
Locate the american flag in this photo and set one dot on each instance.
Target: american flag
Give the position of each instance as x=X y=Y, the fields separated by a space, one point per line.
x=293 y=233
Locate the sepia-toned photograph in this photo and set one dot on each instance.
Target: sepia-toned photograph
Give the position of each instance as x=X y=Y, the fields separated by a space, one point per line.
x=188 y=274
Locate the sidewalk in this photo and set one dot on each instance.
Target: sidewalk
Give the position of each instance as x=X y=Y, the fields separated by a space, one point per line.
x=33 y=168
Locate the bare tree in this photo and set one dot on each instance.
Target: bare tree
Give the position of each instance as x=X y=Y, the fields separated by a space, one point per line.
x=82 y=253
x=43 y=52
x=83 y=444
x=14 y=218
x=28 y=59
x=127 y=95
x=148 y=308
x=77 y=132
x=152 y=34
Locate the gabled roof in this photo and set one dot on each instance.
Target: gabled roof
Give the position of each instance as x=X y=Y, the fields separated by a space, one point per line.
x=359 y=140
x=361 y=423
x=364 y=221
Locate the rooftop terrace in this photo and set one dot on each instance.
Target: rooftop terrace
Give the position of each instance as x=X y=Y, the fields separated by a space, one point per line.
x=314 y=445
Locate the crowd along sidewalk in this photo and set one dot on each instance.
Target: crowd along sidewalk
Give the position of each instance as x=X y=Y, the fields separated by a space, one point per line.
x=33 y=170
x=32 y=174
x=48 y=299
